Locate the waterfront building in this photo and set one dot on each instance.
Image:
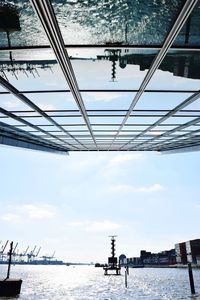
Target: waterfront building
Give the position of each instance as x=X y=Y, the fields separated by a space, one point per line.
x=188 y=252
x=193 y=250
x=181 y=254
x=166 y=257
x=122 y=260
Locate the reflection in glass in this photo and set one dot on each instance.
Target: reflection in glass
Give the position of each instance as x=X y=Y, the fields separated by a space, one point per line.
x=53 y=101
x=107 y=100
x=179 y=70
x=111 y=68
x=32 y=70
x=110 y=21
x=161 y=101
x=19 y=26
x=190 y=32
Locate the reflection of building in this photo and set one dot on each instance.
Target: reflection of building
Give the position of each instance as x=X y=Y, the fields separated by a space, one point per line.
x=183 y=65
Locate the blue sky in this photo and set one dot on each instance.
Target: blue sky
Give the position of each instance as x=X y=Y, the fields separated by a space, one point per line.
x=72 y=203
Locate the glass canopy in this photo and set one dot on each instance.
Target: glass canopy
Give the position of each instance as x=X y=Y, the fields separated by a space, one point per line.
x=100 y=75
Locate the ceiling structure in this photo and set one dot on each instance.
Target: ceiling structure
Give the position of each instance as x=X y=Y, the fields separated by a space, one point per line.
x=100 y=75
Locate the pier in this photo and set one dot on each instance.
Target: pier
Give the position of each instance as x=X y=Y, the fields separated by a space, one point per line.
x=10 y=287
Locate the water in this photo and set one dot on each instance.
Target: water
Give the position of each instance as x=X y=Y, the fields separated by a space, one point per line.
x=89 y=283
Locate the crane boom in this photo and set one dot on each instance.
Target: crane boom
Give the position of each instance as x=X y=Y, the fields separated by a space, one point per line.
x=15 y=248
x=26 y=251
x=32 y=252
x=5 y=246
x=38 y=252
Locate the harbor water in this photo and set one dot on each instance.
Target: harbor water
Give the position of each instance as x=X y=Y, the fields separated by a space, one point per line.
x=89 y=283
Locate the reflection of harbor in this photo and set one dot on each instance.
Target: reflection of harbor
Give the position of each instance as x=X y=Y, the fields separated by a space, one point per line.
x=180 y=64
x=30 y=67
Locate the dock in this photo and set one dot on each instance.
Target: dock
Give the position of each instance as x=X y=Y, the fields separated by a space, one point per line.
x=10 y=287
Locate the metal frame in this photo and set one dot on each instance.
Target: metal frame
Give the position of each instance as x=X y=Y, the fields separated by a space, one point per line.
x=24 y=99
x=48 y=20
x=99 y=91
x=171 y=129
x=12 y=136
x=99 y=46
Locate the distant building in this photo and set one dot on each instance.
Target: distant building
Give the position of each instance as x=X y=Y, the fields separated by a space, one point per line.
x=188 y=252
x=167 y=257
x=122 y=260
x=181 y=254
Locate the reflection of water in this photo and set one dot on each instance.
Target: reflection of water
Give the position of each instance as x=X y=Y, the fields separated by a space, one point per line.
x=94 y=21
x=140 y=22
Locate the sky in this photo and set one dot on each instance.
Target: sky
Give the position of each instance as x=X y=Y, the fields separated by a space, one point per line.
x=71 y=204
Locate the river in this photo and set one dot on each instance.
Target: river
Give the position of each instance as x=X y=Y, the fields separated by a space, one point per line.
x=89 y=283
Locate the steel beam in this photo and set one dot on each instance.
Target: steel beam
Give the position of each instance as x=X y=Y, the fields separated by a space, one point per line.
x=44 y=11
x=101 y=91
x=107 y=45
x=179 y=128
x=26 y=123
x=15 y=137
x=184 y=149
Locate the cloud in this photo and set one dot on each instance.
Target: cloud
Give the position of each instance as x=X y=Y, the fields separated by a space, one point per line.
x=156 y=187
x=42 y=211
x=10 y=104
x=29 y=211
x=9 y=217
x=121 y=158
x=46 y=106
x=105 y=97
x=105 y=225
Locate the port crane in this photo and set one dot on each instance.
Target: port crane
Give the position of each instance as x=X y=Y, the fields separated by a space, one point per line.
x=47 y=257
x=23 y=254
x=14 y=253
x=31 y=254
x=3 y=248
x=36 y=255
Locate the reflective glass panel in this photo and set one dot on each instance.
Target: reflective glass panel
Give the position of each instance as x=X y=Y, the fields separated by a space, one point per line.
x=178 y=71
x=109 y=100
x=32 y=70
x=190 y=32
x=110 y=68
x=53 y=101
x=160 y=101
x=11 y=103
x=19 y=26
x=110 y=21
